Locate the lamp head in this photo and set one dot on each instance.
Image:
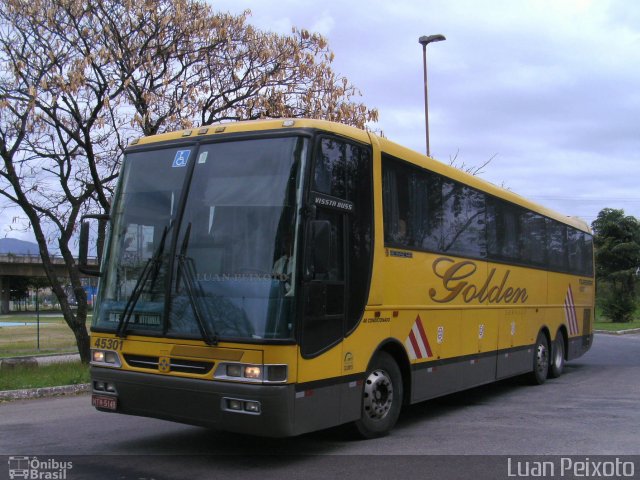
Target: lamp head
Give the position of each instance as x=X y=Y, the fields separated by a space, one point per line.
x=426 y=39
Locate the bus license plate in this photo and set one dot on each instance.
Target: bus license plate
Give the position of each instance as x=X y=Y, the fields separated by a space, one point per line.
x=108 y=403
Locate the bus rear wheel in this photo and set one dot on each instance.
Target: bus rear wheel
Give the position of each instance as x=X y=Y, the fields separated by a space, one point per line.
x=540 y=360
x=381 y=397
x=556 y=367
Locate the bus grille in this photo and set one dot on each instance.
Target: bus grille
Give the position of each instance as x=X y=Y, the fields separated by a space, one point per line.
x=175 y=364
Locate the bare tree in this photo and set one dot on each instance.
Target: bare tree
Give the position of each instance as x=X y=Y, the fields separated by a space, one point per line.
x=475 y=170
x=79 y=79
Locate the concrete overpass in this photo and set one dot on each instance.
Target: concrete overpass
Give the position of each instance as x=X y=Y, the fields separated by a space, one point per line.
x=13 y=265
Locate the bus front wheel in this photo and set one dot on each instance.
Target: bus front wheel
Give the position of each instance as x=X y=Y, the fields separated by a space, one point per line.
x=540 y=360
x=381 y=397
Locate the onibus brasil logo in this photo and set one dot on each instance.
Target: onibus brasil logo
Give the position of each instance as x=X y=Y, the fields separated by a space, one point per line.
x=37 y=469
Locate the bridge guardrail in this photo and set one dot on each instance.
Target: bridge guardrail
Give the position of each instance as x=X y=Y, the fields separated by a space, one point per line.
x=27 y=258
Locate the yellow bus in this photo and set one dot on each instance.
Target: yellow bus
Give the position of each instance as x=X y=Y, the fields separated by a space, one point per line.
x=282 y=276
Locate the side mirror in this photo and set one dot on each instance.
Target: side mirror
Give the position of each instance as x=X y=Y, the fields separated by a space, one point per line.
x=320 y=247
x=83 y=247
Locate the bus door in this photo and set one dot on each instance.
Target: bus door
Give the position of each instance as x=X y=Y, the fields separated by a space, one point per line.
x=337 y=260
x=324 y=286
x=323 y=316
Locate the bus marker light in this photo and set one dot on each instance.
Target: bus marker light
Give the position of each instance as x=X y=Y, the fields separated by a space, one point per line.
x=304 y=394
x=288 y=123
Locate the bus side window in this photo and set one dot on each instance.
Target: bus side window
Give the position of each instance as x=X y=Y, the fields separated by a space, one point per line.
x=330 y=174
x=398 y=212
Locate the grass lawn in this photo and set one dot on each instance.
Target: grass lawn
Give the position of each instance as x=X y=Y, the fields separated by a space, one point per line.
x=52 y=375
x=604 y=324
x=55 y=335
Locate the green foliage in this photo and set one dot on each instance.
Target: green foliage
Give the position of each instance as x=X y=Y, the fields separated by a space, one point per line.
x=617 y=305
x=617 y=242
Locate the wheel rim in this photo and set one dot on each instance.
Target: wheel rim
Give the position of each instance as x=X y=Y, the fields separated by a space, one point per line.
x=378 y=395
x=542 y=358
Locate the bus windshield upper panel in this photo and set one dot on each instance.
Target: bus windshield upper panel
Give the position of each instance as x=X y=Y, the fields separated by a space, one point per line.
x=228 y=269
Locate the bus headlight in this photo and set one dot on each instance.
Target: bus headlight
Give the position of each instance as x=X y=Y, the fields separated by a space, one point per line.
x=253 y=372
x=241 y=372
x=105 y=358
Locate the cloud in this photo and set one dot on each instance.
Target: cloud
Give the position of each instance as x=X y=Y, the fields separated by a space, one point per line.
x=551 y=87
x=324 y=24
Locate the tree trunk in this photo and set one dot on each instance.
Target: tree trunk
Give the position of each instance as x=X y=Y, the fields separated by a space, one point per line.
x=82 y=341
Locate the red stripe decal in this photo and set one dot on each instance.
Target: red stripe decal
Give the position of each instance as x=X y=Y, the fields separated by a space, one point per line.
x=424 y=336
x=414 y=343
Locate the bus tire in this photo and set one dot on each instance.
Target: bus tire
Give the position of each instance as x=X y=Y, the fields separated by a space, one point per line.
x=556 y=365
x=381 y=397
x=540 y=360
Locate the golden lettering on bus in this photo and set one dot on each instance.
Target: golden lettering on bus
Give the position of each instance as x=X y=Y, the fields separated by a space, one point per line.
x=457 y=282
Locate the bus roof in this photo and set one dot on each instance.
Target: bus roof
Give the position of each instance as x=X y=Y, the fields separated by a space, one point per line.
x=384 y=144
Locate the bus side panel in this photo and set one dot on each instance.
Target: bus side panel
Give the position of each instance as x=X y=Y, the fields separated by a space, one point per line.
x=520 y=321
x=433 y=380
x=440 y=373
x=317 y=408
x=479 y=339
x=572 y=300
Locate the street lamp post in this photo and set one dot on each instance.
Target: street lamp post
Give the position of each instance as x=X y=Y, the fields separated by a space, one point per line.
x=424 y=41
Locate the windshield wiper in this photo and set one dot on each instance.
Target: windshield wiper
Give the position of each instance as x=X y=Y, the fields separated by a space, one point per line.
x=187 y=272
x=195 y=292
x=150 y=269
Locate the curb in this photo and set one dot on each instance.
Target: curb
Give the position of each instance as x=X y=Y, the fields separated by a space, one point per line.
x=43 y=392
x=618 y=332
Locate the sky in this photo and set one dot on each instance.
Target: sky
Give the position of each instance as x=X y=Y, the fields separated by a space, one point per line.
x=550 y=90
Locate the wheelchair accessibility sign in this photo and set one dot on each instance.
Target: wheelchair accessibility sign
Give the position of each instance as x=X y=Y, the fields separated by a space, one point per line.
x=181 y=158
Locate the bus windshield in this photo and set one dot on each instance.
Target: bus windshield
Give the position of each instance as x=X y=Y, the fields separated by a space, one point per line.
x=203 y=241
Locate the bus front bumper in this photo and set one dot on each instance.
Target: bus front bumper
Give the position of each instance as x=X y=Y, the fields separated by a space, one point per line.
x=265 y=410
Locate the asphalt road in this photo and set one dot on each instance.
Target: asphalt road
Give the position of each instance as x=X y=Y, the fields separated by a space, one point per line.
x=590 y=410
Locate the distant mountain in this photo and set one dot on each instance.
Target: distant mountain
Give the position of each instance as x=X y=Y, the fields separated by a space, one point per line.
x=18 y=247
